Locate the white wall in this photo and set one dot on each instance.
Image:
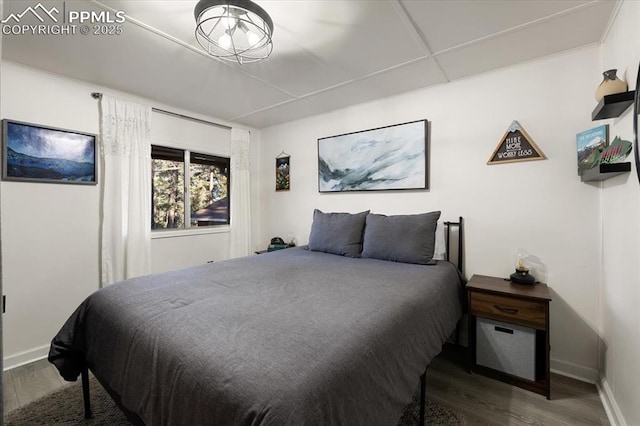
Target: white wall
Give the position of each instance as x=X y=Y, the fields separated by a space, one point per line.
x=174 y=250
x=620 y=296
x=50 y=231
x=1 y=288
x=540 y=205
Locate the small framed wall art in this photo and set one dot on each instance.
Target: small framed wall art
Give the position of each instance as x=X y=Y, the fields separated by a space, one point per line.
x=516 y=145
x=590 y=145
x=35 y=153
x=283 y=176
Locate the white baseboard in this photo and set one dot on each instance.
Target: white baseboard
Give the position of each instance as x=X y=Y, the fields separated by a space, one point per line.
x=575 y=371
x=26 y=357
x=610 y=406
x=591 y=375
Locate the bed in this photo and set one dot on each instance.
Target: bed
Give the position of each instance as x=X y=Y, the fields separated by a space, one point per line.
x=293 y=337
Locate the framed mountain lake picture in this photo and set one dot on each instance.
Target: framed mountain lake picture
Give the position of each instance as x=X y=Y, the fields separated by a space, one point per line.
x=34 y=153
x=387 y=158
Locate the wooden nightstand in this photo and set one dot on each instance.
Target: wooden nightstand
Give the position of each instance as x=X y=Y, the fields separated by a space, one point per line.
x=526 y=307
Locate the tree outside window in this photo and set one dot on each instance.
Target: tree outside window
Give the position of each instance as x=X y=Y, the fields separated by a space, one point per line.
x=207 y=186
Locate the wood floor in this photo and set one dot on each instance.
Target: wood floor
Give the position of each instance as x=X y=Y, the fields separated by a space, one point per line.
x=28 y=383
x=484 y=401
x=481 y=400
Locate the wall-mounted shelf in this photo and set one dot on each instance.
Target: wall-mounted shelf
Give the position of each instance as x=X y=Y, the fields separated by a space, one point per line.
x=605 y=171
x=612 y=106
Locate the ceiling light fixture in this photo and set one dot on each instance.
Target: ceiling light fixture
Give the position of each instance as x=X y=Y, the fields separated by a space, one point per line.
x=234 y=30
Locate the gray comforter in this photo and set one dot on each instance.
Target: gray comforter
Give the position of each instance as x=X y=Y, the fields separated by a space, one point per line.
x=287 y=338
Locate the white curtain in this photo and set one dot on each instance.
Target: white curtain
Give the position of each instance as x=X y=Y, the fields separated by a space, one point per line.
x=240 y=244
x=126 y=190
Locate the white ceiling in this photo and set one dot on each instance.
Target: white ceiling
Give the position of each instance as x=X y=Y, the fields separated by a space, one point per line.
x=327 y=53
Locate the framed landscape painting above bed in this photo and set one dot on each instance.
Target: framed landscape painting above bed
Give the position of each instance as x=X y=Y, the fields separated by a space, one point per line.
x=386 y=158
x=35 y=153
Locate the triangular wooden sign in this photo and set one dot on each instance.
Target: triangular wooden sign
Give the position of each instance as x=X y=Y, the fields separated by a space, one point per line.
x=516 y=145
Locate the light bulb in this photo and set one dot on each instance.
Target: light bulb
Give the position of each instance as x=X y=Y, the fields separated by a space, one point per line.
x=228 y=21
x=225 y=41
x=253 y=38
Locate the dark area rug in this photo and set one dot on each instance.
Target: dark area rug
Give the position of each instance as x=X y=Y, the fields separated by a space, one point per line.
x=434 y=414
x=64 y=407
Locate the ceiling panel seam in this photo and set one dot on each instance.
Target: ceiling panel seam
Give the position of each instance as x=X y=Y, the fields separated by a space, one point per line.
x=192 y=48
x=516 y=28
x=417 y=34
x=335 y=86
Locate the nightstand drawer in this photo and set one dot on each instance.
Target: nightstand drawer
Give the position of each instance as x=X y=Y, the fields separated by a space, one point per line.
x=529 y=313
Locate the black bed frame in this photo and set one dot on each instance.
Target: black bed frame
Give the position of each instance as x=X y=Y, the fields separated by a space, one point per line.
x=459 y=264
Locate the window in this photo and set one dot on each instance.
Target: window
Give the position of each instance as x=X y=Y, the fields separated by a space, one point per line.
x=208 y=190
x=189 y=189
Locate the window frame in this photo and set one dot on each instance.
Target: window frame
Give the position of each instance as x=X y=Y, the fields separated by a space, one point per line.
x=186 y=161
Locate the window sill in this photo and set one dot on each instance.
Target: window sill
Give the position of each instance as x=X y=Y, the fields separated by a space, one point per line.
x=172 y=233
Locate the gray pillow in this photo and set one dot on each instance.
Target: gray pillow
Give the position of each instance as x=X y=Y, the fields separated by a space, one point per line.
x=403 y=238
x=337 y=233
